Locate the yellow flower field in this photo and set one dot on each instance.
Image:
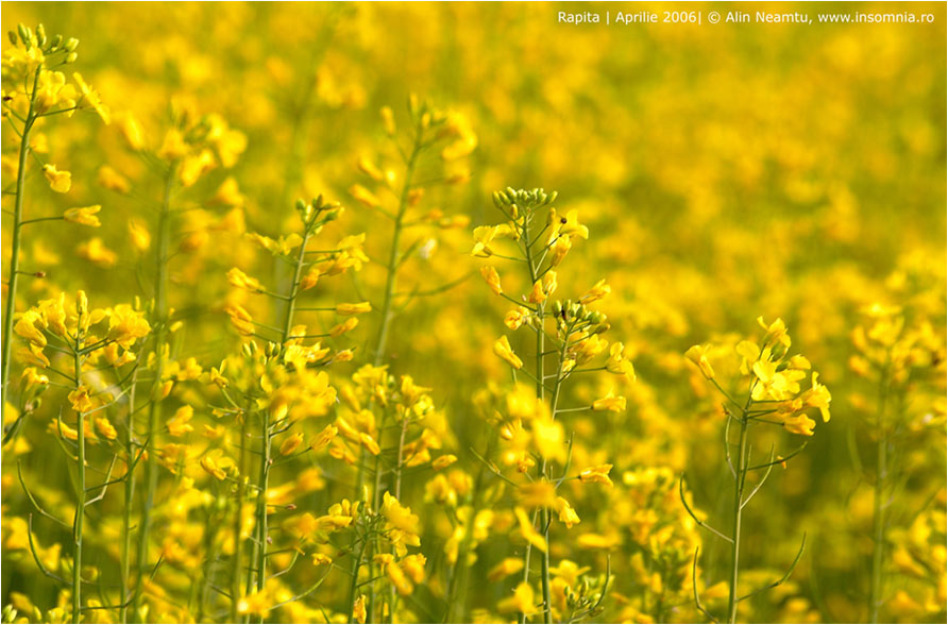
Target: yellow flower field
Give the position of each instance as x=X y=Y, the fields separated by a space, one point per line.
x=463 y=313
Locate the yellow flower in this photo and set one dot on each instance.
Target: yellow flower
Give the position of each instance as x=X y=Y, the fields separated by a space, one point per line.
x=530 y=534
x=363 y=195
x=567 y=514
x=215 y=463
x=799 y=424
x=537 y=294
x=59 y=181
x=414 y=567
x=444 y=461
x=609 y=402
x=506 y=568
x=291 y=443
x=698 y=354
x=492 y=278
x=502 y=348
x=85 y=216
x=179 y=424
x=618 y=364
x=320 y=559
x=239 y=279
x=523 y=601
x=325 y=437
x=138 y=233
x=346 y=326
x=240 y=319
x=106 y=429
x=561 y=248
x=80 y=400
x=516 y=318
x=597 y=475
x=571 y=226
x=132 y=131
x=818 y=397
x=358 y=609
x=353 y=309
x=95 y=251
x=92 y=98
x=25 y=328
x=127 y=325
x=597 y=292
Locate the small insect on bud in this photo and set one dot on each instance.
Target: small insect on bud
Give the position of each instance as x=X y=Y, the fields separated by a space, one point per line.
x=39 y=274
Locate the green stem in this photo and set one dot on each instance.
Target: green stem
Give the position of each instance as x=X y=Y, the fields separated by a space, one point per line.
x=14 y=271
x=392 y=268
x=129 y=506
x=80 y=494
x=354 y=585
x=879 y=504
x=160 y=323
x=265 y=463
x=238 y=519
x=739 y=481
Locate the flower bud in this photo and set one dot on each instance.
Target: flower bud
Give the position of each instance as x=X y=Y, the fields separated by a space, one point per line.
x=71 y=44
x=41 y=35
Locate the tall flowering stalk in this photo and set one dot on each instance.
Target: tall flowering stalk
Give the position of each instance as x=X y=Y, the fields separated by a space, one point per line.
x=773 y=397
x=99 y=339
x=192 y=146
x=400 y=199
x=33 y=91
x=567 y=342
x=270 y=390
x=901 y=357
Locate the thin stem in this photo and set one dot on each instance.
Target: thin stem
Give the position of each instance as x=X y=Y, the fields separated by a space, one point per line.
x=14 y=270
x=741 y=475
x=879 y=505
x=160 y=319
x=265 y=463
x=238 y=518
x=392 y=268
x=129 y=504
x=81 y=486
